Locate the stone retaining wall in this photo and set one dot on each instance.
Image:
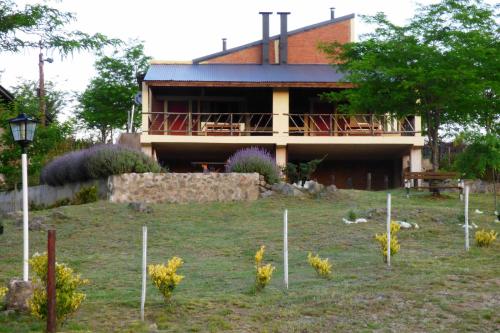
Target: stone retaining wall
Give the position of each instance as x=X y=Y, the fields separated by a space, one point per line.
x=184 y=187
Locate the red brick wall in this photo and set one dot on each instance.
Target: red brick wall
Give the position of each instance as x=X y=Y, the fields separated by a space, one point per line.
x=302 y=47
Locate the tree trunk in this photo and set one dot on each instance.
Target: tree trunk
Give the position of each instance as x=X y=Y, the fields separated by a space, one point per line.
x=433 y=124
x=103 y=134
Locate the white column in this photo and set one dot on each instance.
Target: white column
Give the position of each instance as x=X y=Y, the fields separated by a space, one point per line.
x=281 y=102
x=145 y=108
x=466 y=214
x=285 y=247
x=24 y=158
x=144 y=264
x=389 y=229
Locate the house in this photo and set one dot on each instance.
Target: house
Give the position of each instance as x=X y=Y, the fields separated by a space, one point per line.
x=266 y=93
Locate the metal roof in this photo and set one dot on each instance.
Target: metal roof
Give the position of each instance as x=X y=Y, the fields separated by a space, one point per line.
x=5 y=94
x=259 y=42
x=244 y=73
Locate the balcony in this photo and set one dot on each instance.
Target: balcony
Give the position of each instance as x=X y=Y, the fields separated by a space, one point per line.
x=210 y=124
x=349 y=125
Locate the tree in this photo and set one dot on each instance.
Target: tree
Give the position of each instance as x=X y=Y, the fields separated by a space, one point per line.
x=431 y=66
x=49 y=141
x=105 y=103
x=42 y=27
x=481 y=158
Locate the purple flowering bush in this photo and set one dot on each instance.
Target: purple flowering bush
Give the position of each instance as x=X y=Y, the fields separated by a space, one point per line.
x=254 y=159
x=96 y=162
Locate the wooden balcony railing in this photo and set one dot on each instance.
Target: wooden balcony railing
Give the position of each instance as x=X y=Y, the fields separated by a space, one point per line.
x=211 y=124
x=345 y=125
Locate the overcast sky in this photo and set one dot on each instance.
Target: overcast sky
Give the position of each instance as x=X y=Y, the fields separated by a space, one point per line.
x=182 y=29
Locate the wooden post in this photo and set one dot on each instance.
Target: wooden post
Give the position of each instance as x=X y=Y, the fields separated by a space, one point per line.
x=386 y=182
x=466 y=214
x=349 y=183
x=388 y=229
x=285 y=247
x=144 y=263
x=369 y=181
x=333 y=179
x=51 y=282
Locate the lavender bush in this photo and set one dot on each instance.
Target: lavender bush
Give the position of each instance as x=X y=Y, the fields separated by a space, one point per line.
x=96 y=162
x=254 y=159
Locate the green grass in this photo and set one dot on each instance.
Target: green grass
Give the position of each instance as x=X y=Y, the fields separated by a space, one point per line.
x=433 y=285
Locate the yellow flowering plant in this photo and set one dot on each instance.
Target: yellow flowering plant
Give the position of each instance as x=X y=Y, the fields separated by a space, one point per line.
x=68 y=298
x=263 y=273
x=322 y=266
x=165 y=277
x=3 y=292
x=382 y=240
x=485 y=238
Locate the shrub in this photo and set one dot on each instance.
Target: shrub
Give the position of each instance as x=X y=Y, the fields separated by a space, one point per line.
x=302 y=171
x=263 y=273
x=382 y=240
x=254 y=159
x=351 y=215
x=485 y=238
x=68 y=299
x=322 y=266
x=86 y=194
x=96 y=162
x=164 y=276
x=3 y=292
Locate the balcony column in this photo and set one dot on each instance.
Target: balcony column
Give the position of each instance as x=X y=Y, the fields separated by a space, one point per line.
x=416 y=162
x=148 y=149
x=281 y=102
x=418 y=126
x=145 y=108
x=281 y=156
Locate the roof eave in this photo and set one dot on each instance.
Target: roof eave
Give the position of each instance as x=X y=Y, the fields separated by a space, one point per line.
x=242 y=84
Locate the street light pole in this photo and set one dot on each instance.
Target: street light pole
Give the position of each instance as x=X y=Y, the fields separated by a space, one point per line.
x=23 y=131
x=24 y=158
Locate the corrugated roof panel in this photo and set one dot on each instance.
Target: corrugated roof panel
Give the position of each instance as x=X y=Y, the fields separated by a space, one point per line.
x=243 y=73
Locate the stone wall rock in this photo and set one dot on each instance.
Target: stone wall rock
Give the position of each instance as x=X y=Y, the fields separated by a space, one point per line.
x=183 y=187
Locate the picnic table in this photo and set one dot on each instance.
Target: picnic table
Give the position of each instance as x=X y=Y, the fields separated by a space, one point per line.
x=436 y=181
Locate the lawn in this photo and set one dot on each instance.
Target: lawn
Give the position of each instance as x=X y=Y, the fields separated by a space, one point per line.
x=433 y=285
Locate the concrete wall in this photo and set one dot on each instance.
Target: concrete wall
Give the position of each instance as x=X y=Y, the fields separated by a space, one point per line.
x=184 y=187
x=48 y=195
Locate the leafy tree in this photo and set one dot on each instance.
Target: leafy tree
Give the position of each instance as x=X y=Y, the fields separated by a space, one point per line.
x=105 y=103
x=49 y=141
x=43 y=27
x=481 y=158
x=440 y=65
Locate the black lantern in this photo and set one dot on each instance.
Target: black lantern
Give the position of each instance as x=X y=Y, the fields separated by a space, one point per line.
x=23 y=129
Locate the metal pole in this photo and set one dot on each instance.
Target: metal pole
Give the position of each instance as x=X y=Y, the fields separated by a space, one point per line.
x=24 y=163
x=51 y=282
x=285 y=246
x=466 y=214
x=388 y=229
x=144 y=262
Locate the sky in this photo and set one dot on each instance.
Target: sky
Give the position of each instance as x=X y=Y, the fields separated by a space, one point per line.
x=182 y=29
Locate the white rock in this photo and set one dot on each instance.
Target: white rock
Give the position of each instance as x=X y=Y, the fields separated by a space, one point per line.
x=416 y=226
x=346 y=221
x=477 y=211
x=404 y=225
x=361 y=220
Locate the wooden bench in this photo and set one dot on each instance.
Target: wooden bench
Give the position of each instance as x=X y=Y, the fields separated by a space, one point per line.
x=435 y=181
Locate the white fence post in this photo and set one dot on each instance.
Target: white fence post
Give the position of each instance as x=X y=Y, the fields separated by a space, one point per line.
x=285 y=246
x=144 y=263
x=388 y=229
x=466 y=214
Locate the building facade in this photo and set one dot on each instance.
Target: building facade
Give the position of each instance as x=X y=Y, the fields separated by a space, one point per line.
x=267 y=93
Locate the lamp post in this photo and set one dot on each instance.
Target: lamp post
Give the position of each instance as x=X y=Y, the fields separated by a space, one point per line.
x=23 y=130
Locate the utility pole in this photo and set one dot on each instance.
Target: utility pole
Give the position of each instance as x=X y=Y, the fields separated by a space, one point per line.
x=41 y=88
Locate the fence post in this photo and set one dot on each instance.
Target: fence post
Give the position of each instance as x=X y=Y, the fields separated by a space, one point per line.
x=388 y=229
x=285 y=246
x=369 y=181
x=51 y=281
x=144 y=263
x=386 y=182
x=466 y=214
